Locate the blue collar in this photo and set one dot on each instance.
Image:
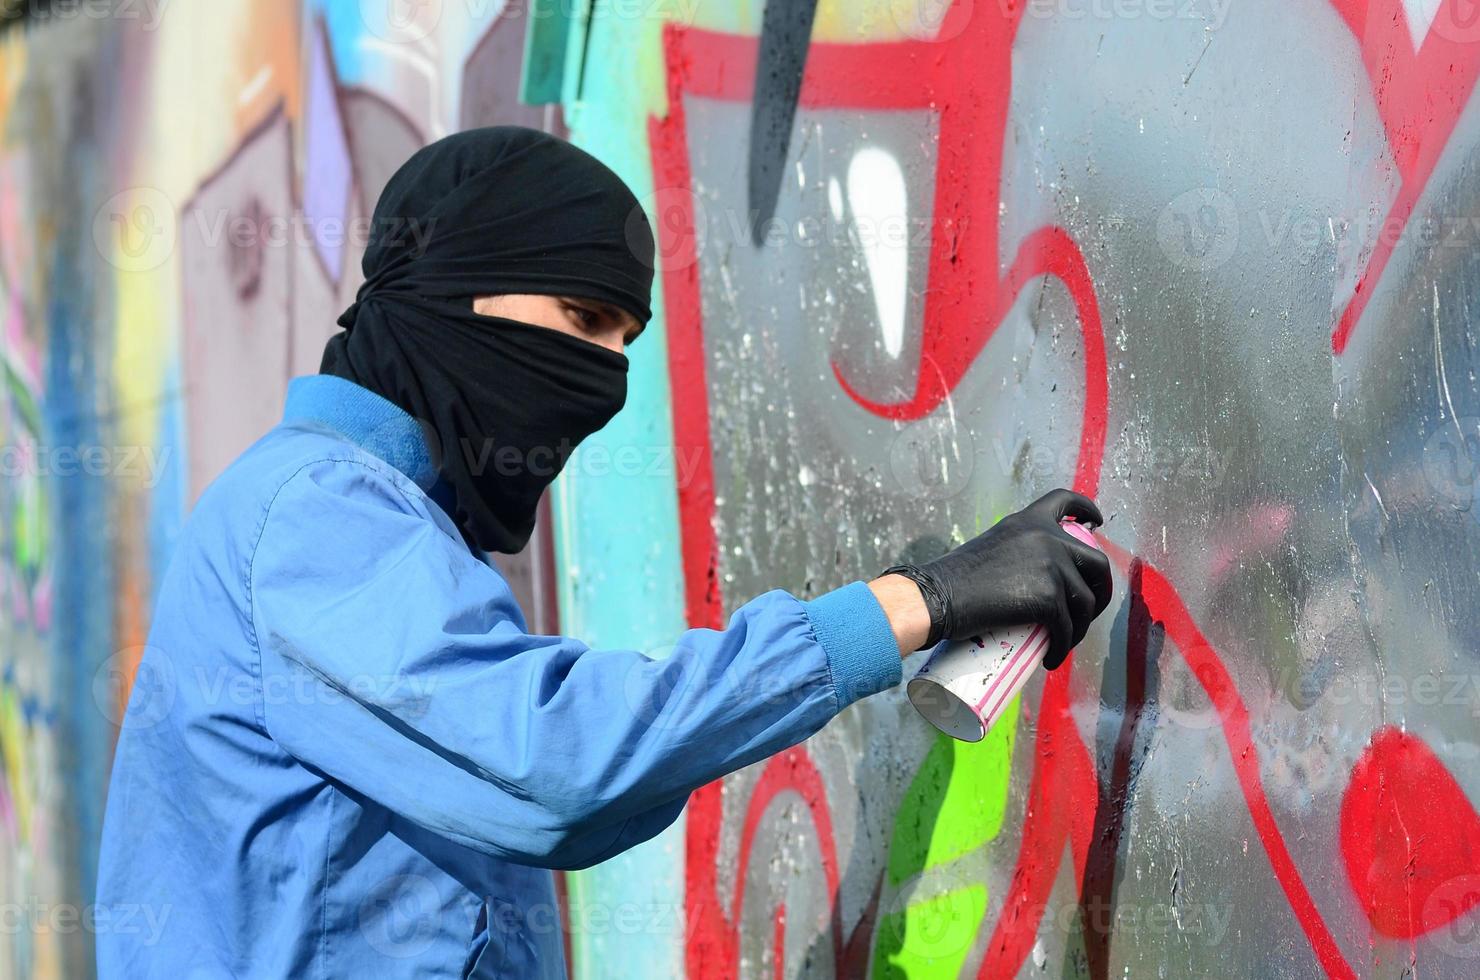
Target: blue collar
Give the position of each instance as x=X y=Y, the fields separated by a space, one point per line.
x=375 y=424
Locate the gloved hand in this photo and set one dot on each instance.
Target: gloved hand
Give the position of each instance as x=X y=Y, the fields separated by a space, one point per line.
x=1024 y=569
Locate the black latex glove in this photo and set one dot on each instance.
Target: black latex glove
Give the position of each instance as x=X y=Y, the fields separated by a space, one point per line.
x=1024 y=569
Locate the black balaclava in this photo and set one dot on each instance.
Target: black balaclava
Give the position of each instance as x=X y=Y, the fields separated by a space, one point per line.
x=483 y=212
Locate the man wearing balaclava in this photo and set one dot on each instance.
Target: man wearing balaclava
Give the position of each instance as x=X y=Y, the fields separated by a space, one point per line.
x=344 y=755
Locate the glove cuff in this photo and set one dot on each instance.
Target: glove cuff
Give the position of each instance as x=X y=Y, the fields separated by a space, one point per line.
x=935 y=600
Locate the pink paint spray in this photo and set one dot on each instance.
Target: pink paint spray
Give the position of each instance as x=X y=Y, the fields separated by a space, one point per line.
x=966 y=685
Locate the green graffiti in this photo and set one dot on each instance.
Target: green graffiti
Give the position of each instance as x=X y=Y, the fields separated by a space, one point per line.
x=931 y=938
x=22 y=398
x=28 y=504
x=956 y=801
x=545 y=44
x=955 y=804
x=29 y=524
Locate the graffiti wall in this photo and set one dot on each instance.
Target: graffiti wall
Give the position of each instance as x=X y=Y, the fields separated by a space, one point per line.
x=1210 y=261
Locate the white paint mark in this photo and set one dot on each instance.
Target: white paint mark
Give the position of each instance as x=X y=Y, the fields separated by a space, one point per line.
x=1420 y=18
x=1439 y=369
x=421 y=65
x=835 y=198
x=876 y=196
x=1375 y=495
x=255 y=85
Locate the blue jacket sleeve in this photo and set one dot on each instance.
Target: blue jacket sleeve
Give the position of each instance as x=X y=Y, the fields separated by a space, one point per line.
x=395 y=663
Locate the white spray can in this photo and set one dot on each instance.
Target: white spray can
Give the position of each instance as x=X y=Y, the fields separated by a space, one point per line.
x=966 y=685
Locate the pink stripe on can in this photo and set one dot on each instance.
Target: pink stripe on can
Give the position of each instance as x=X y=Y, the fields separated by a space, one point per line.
x=1032 y=646
x=1023 y=670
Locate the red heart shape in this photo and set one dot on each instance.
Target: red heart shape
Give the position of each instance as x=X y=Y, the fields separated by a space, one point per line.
x=1410 y=838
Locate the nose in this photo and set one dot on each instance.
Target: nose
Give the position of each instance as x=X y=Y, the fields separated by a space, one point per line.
x=613 y=340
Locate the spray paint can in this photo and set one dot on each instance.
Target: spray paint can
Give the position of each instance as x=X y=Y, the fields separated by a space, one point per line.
x=966 y=684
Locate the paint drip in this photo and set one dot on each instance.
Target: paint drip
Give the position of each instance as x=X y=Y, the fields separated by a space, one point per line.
x=966 y=685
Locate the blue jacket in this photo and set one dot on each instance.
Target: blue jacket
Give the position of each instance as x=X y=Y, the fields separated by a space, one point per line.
x=344 y=756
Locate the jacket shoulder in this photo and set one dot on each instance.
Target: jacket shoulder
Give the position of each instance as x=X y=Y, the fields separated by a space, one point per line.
x=286 y=450
x=235 y=504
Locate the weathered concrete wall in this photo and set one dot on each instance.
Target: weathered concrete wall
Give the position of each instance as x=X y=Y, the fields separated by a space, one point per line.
x=1208 y=260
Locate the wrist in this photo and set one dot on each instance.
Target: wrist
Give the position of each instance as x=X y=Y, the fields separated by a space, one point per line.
x=904 y=606
x=935 y=601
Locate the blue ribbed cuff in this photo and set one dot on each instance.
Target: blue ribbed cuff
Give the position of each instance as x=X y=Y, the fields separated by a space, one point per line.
x=859 y=642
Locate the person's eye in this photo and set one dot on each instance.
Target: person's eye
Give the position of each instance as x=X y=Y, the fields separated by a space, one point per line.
x=587 y=318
